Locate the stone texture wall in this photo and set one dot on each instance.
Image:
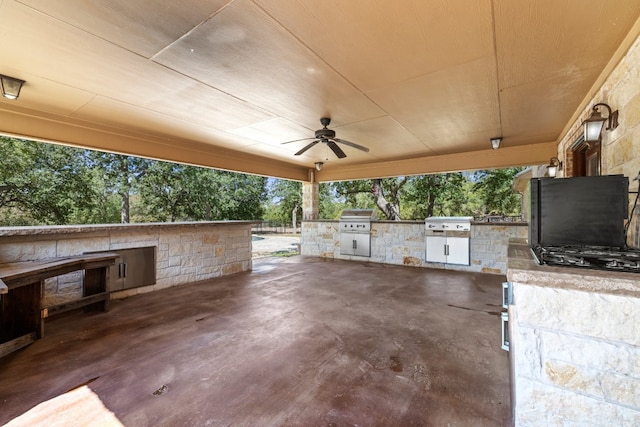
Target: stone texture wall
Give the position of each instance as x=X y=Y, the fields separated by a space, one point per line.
x=185 y=252
x=574 y=363
x=403 y=243
x=310 y=200
x=620 y=147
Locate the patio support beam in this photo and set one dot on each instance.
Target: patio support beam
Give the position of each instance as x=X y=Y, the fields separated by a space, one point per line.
x=40 y=126
x=523 y=155
x=310 y=198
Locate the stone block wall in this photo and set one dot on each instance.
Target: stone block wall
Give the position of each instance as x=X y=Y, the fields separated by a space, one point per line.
x=185 y=252
x=403 y=243
x=620 y=147
x=574 y=364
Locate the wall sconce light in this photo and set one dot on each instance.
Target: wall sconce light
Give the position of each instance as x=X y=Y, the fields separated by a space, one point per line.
x=319 y=165
x=495 y=142
x=593 y=125
x=554 y=166
x=10 y=86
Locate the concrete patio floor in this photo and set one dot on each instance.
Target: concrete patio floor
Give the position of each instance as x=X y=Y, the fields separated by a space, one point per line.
x=299 y=341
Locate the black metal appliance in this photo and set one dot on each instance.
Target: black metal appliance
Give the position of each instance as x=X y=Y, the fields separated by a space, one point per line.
x=580 y=222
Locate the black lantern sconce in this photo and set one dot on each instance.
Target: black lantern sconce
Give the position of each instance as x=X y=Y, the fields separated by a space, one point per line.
x=554 y=166
x=593 y=125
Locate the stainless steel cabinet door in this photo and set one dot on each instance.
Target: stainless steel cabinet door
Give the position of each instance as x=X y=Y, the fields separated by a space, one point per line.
x=458 y=252
x=436 y=249
x=450 y=250
x=355 y=244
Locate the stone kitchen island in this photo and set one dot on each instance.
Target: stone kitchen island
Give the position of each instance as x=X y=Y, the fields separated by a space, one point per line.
x=176 y=253
x=574 y=342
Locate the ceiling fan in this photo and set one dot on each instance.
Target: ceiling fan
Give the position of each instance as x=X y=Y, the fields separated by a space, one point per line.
x=328 y=136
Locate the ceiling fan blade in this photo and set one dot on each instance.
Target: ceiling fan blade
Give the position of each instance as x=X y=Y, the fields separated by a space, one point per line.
x=352 y=144
x=337 y=151
x=295 y=140
x=306 y=148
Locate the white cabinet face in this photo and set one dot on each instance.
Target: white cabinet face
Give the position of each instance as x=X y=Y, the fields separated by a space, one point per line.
x=450 y=250
x=458 y=252
x=436 y=249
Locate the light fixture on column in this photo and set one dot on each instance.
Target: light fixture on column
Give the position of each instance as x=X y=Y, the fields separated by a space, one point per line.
x=495 y=142
x=10 y=86
x=554 y=166
x=593 y=125
x=319 y=165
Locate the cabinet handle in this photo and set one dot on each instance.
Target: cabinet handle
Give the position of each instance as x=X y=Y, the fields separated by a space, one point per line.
x=355 y=244
x=446 y=250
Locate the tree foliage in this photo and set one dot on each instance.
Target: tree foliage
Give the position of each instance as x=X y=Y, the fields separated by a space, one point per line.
x=53 y=184
x=120 y=175
x=44 y=183
x=174 y=192
x=451 y=194
x=496 y=193
x=285 y=201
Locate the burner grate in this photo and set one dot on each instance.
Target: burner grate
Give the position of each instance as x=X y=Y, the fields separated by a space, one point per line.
x=594 y=257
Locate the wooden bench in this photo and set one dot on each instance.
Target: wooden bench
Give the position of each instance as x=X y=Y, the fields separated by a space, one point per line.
x=22 y=312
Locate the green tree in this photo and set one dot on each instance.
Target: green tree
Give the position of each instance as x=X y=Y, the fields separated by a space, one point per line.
x=119 y=175
x=175 y=192
x=51 y=184
x=286 y=200
x=495 y=189
x=438 y=195
x=330 y=207
x=164 y=192
x=222 y=195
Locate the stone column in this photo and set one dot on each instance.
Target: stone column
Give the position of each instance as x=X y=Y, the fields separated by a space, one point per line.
x=310 y=198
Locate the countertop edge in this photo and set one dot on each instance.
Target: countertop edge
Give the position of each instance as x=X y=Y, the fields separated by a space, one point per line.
x=523 y=269
x=88 y=228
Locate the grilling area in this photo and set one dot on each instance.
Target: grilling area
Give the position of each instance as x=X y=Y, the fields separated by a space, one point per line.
x=485 y=321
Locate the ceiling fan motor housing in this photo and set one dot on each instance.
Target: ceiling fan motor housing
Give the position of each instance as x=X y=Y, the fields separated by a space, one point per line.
x=325 y=134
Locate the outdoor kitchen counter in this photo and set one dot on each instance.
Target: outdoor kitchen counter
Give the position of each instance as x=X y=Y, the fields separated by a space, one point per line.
x=92 y=228
x=572 y=339
x=522 y=268
x=404 y=243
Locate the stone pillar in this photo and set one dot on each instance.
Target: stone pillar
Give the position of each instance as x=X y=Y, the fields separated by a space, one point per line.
x=310 y=198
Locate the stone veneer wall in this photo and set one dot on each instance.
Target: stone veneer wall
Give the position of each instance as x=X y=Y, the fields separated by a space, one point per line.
x=403 y=243
x=185 y=252
x=575 y=365
x=574 y=344
x=620 y=147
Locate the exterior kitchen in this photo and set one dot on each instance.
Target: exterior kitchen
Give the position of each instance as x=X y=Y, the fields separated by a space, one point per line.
x=481 y=245
x=529 y=321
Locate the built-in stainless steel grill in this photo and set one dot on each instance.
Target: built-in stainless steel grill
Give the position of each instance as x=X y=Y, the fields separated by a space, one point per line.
x=355 y=231
x=448 y=223
x=447 y=239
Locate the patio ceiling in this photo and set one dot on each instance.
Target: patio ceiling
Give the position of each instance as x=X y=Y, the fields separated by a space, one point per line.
x=423 y=84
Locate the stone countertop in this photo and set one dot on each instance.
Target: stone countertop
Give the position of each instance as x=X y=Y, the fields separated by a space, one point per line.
x=507 y=223
x=522 y=268
x=85 y=228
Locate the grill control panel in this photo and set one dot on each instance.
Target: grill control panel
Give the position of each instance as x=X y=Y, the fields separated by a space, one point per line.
x=355 y=227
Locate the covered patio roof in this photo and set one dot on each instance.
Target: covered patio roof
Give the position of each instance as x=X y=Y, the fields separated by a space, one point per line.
x=224 y=83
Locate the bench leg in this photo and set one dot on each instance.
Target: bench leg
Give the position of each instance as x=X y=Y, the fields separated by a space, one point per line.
x=95 y=282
